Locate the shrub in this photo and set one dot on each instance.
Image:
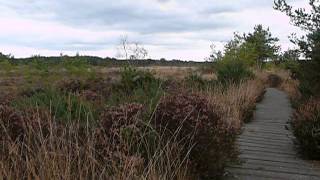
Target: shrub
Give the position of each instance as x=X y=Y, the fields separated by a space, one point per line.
x=136 y=86
x=132 y=79
x=63 y=106
x=15 y=124
x=306 y=126
x=119 y=130
x=195 y=81
x=193 y=120
x=100 y=86
x=115 y=118
x=232 y=71
x=71 y=85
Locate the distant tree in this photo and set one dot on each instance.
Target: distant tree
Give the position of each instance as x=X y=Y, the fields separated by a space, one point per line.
x=263 y=44
x=252 y=48
x=2 y=56
x=138 y=51
x=6 y=56
x=131 y=50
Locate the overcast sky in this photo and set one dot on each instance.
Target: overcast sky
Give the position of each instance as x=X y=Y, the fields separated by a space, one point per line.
x=180 y=29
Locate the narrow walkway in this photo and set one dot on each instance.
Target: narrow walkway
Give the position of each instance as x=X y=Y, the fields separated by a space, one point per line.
x=266 y=147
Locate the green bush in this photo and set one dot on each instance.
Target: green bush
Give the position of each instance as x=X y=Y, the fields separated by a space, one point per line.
x=132 y=79
x=306 y=126
x=309 y=78
x=65 y=107
x=232 y=71
x=136 y=86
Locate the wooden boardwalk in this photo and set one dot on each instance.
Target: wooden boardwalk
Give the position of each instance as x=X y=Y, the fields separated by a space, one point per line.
x=266 y=146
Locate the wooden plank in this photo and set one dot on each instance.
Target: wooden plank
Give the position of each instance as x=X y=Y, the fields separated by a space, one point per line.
x=276 y=168
x=264 y=149
x=267 y=131
x=264 y=139
x=261 y=136
x=272 y=158
x=287 y=144
x=269 y=154
x=271 y=174
x=276 y=164
x=245 y=177
x=275 y=148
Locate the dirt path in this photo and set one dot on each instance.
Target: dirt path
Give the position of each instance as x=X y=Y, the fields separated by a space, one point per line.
x=266 y=146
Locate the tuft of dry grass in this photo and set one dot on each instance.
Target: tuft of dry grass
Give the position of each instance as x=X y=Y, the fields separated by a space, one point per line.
x=238 y=101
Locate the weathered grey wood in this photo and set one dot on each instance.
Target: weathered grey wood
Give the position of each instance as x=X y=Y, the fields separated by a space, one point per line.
x=266 y=147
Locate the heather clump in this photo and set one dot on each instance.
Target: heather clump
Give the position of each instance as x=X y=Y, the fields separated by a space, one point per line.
x=16 y=124
x=191 y=119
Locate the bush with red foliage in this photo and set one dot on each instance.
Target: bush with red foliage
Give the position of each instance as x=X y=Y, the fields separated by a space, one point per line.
x=306 y=126
x=115 y=118
x=91 y=89
x=193 y=120
x=119 y=128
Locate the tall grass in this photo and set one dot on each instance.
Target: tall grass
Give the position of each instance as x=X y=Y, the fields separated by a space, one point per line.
x=71 y=151
x=238 y=101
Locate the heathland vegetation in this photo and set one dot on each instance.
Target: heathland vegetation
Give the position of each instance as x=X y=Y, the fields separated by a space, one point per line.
x=91 y=118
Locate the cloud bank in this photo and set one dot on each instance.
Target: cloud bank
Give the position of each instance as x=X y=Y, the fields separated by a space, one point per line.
x=181 y=29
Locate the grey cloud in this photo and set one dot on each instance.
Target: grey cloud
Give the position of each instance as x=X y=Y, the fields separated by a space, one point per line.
x=137 y=17
x=145 y=20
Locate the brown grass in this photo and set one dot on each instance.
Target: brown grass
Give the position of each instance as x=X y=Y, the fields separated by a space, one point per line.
x=238 y=101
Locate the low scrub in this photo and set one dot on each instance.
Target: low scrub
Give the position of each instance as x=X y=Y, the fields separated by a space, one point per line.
x=306 y=128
